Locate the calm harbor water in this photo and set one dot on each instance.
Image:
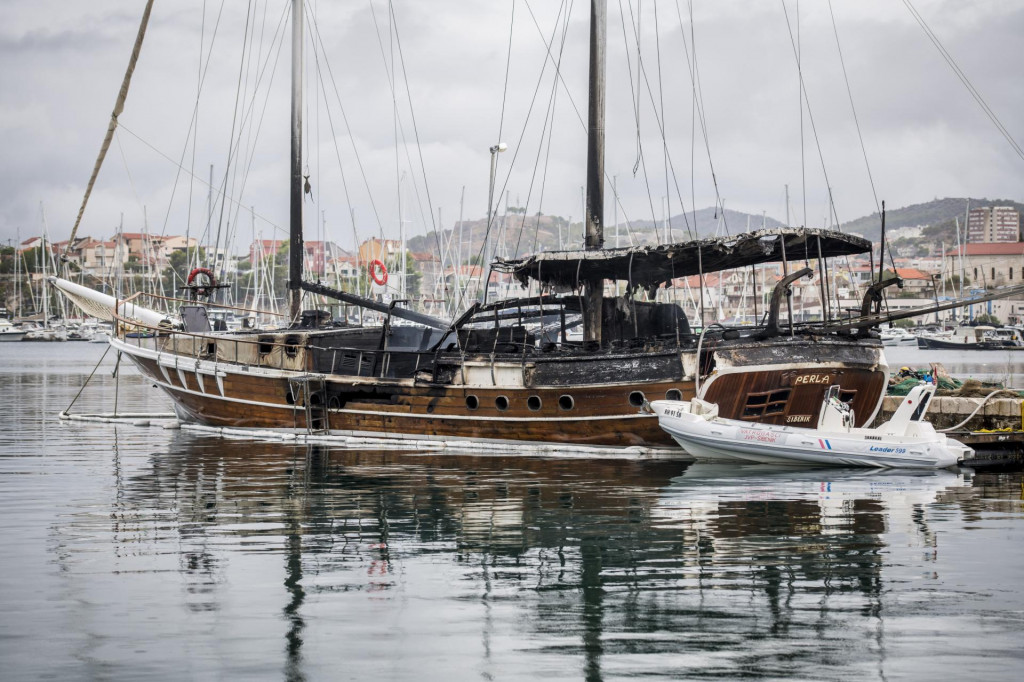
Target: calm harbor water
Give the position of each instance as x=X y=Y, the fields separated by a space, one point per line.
x=141 y=553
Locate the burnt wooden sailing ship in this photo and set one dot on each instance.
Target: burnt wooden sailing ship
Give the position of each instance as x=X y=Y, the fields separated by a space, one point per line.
x=510 y=371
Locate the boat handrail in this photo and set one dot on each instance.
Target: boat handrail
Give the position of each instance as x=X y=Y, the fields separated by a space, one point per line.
x=218 y=306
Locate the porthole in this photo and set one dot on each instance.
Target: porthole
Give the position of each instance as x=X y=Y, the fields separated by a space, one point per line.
x=289 y=398
x=501 y=402
x=673 y=394
x=636 y=398
x=566 y=402
x=472 y=402
x=534 y=403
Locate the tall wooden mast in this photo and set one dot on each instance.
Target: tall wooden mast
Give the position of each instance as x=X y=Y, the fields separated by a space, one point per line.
x=593 y=288
x=295 y=247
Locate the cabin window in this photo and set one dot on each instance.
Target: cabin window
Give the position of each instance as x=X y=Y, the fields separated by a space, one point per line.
x=673 y=394
x=566 y=402
x=975 y=273
x=266 y=345
x=501 y=402
x=993 y=273
x=472 y=402
x=765 y=404
x=636 y=398
x=291 y=345
x=1011 y=273
x=534 y=403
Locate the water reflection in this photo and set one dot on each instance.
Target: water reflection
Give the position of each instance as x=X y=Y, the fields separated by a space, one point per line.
x=606 y=568
x=141 y=553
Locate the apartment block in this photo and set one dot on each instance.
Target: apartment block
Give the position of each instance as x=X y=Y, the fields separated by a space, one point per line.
x=993 y=224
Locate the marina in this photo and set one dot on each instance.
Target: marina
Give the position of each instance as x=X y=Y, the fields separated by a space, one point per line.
x=297 y=421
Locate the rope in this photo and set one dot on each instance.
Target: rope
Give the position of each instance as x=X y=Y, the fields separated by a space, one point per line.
x=977 y=409
x=88 y=379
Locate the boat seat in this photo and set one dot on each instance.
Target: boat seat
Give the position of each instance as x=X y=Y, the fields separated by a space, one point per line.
x=910 y=412
x=195 y=319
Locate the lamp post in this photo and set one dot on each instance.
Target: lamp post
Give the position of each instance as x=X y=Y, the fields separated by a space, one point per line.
x=495 y=150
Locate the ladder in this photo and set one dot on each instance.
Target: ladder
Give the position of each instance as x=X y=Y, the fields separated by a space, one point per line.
x=309 y=393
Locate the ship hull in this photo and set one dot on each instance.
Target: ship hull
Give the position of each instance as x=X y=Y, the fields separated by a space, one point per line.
x=588 y=402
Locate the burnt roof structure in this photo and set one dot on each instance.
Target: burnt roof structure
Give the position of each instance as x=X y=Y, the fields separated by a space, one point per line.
x=648 y=266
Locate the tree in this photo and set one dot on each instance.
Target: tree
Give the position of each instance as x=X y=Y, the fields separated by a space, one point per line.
x=414 y=276
x=985 y=318
x=176 y=273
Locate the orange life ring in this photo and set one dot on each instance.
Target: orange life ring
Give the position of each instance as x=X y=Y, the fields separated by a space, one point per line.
x=203 y=289
x=378 y=272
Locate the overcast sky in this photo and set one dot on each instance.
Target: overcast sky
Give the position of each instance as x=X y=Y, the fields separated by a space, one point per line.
x=925 y=136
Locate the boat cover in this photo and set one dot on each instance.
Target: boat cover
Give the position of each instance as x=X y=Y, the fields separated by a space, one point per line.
x=648 y=266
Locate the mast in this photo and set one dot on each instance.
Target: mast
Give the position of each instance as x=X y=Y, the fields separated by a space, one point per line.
x=593 y=288
x=295 y=247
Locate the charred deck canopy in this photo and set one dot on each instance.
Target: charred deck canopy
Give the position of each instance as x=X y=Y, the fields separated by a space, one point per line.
x=650 y=266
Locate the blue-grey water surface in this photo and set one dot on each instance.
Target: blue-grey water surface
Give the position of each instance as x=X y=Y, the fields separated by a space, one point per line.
x=142 y=553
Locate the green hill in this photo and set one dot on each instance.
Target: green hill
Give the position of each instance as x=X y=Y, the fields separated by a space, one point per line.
x=933 y=214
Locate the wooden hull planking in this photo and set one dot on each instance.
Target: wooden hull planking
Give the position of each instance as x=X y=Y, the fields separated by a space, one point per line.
x=782 y=388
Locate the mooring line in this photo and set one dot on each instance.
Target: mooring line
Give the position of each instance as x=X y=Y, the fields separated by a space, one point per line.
x=68 y=408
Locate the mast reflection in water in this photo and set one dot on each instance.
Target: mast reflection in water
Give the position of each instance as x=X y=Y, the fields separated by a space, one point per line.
x=174 y=555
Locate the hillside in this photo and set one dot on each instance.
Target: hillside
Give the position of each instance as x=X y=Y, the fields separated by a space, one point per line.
x=933 y=213
x=549 y=233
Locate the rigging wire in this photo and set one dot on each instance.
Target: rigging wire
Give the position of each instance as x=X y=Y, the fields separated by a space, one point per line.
x=508 y=68
x=663 y=123
x=556 y=63
x=315 y=30
x=348 y=127
x=416 y=134
x=853 y=109
x=698 y=103
x=964 y=79
x=800 y=96
x=641 y=160
x=572 y=103
x=270 y=69
x=400 y=130
x=660 y=120
x=810 y=112
x=234 y=117
x=194 y=123
x=220 y=192
x=547 y=129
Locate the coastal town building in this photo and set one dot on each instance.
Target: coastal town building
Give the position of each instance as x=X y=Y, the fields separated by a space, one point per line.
x=993 y=224
x=990 y=264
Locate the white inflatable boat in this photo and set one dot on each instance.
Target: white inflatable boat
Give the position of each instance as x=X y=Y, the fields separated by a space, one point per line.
x=905 y=441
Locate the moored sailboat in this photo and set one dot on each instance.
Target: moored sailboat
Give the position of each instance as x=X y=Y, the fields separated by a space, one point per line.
x=513 y=371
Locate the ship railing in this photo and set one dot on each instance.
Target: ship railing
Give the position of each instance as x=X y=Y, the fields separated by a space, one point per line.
x=204 y=345
x=267 y=350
